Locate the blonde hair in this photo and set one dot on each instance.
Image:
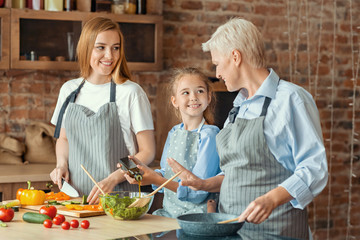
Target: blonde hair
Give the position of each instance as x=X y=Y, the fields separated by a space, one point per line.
x=86 y=44
x=241 y=35
x=177 y=74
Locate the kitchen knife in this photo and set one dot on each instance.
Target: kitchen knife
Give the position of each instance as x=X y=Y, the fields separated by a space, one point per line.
x=68 y=189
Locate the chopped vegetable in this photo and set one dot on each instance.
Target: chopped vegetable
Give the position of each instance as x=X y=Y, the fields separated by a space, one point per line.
x=57 y=196
x=2 y=224
x=85 y=207
x=118 y=207
x=10 y=203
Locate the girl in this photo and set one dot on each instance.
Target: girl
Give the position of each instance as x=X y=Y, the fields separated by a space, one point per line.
x=101 y=116
x=192 y=143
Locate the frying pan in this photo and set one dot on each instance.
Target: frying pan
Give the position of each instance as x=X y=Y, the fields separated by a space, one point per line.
x=205 y=224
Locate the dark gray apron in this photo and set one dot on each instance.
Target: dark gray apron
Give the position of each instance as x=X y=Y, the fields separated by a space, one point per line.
x=95 y=140
x=251 y=171
x=183 y=147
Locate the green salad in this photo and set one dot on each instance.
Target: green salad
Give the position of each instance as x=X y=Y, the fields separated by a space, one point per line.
x=118 y=207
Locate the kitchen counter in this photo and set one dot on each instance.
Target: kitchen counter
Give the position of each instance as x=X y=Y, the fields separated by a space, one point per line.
x=13 y=177
x=23 y=173
x=101 y=227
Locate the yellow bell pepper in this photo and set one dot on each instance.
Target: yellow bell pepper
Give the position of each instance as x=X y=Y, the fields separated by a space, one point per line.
x=31 y=196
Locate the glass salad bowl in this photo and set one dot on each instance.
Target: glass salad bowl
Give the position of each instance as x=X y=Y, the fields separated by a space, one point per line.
x=115 y=205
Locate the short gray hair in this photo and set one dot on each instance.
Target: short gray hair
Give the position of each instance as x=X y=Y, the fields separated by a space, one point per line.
x=241 y=35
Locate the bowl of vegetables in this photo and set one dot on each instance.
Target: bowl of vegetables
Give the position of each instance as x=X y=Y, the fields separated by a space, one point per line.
x=115 y=205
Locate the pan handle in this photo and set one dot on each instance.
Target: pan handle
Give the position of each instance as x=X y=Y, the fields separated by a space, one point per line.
x=211 y=206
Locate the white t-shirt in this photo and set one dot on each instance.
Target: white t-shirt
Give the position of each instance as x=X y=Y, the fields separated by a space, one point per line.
x=132 y=104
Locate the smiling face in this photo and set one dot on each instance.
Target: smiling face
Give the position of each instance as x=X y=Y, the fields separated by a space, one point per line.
x=105 y=55
x=226 y=69
x=191 y=96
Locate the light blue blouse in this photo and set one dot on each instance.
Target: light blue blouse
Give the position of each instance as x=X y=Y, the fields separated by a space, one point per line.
x=293 y=134
x=207 y=164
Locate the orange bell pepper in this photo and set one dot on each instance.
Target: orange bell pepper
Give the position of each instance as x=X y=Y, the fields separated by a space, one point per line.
x=57 y=196
x=31 y=196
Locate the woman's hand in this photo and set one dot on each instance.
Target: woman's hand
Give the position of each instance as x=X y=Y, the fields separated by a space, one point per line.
x=149 y=176
x=107 y=185
x=258 y=210
x=261 y=208
x=58 y=173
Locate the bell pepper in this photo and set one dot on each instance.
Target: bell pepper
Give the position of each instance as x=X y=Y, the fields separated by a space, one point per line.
x=31 y=196
x=57 y=196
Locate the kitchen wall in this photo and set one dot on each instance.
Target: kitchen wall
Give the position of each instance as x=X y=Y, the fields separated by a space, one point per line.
x=312 y=43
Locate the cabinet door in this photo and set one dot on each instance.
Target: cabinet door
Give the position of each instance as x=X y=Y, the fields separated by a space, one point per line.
x=40 y=38
x=4 y=38
x=143 y=40
x=44 y=40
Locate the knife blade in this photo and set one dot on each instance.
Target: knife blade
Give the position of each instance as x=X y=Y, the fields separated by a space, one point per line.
x=68 y=189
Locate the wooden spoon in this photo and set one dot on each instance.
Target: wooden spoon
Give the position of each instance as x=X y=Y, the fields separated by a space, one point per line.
x=228 y=221
x=92 y=179
x=142 y=201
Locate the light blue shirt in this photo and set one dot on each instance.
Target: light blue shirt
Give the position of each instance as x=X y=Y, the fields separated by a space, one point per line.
x=207 y=164
x=293 y=134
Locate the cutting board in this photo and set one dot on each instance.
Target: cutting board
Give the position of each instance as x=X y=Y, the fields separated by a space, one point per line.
x=67 y=212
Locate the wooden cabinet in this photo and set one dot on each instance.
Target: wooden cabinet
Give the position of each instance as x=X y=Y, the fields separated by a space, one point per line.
x=4 y=38
x=39 y=39
x=13 y=177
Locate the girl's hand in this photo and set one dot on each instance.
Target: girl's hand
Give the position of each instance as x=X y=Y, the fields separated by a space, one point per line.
x=58 y=173
x=187 y=177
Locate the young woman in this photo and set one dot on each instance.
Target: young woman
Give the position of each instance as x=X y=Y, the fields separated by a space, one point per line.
x=101 y=116
x=192 y=143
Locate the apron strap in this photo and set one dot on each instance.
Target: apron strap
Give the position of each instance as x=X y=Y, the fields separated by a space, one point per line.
x=70 y=98
x=201 y=124
x=265 y=106
x=112 y=91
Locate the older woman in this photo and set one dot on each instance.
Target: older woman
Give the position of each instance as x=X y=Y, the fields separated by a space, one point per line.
x=271 y=148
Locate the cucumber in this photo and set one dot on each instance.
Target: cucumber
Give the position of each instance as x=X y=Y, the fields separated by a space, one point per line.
x=33 y=217
x=84 y=198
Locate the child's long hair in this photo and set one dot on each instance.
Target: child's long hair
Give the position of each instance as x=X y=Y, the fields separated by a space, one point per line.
x=177 y=74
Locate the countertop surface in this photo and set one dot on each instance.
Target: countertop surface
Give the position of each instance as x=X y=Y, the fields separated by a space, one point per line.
x=101 y=227
x=23 y=173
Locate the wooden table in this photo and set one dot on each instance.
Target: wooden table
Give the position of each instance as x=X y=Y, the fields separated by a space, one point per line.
x=101 y=227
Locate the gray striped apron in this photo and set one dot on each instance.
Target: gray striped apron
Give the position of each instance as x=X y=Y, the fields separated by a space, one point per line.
x=95 y=140
x=251 y=171
x=183 y=147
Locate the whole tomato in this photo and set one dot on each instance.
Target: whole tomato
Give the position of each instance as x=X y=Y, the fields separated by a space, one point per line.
x=62 y=217
x=65 y=225
x=48 y=210
x=6 y=214
x=57 y=220
x=74 y=223
x=85 y=224
x=48 y=223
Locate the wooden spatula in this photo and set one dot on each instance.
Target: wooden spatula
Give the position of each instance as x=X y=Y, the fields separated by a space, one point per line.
x=92 y=179
x=142 y=201
x=228 y=221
